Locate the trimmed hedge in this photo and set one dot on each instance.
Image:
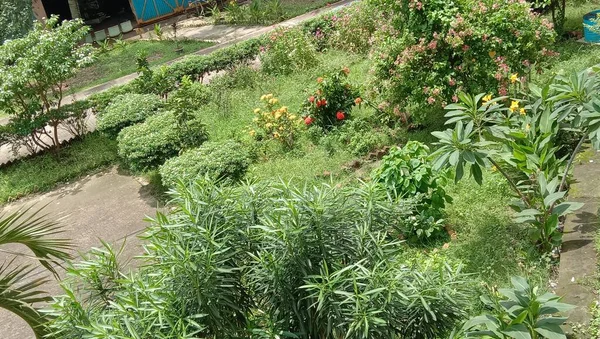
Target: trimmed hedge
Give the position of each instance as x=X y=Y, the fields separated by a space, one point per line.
x=160 y=137
x=197 y=66
x=226 y=161
x=126 y=110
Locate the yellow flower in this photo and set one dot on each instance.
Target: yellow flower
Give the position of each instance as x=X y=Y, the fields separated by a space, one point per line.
x=284 y=108
x=487 y=98
x=514 y=106
x=257 y=110
x=268 y=125
x=269 y=96
x=292 y=117
x=514 y=78
x=278 y=114
x=492 y=54
x=255 y=120
x=276 y=135
x=494 y=169
x=527 y=127
x=263 y=97
x=252 y=132
x=273 y=101
x=522 y=111
x=281 y=128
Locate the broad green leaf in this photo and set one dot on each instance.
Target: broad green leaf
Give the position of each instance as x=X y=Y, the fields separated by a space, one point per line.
x=518 y=331
x=551 y=331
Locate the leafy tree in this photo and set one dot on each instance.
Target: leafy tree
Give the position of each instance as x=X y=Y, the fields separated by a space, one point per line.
x=33 y=72
x=31 y=230
x=16 y=19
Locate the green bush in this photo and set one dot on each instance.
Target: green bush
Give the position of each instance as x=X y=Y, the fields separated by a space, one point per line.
x=126 y=110
x=160 y=137
x=99 y=101
x=269 y=260
x=357 y=136
x=428 y=52
x=288 y=50
x=223 y=161
x=407 y=172
x=352 y=28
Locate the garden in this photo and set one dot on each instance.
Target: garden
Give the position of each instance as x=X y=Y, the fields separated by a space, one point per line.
x=393 y=169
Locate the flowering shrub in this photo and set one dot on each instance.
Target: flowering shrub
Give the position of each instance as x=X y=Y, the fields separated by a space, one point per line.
x=351 y=28
x=288 y=50
x=332 y=102
x=275 y=122
x=434 y=49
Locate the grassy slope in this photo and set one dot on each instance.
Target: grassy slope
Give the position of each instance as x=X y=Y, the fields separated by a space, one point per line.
x=293 y=8
x=121 y=61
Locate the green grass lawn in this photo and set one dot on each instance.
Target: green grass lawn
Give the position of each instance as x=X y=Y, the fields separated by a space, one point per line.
x=121 y=60
x=293 y=8
x=45 y=171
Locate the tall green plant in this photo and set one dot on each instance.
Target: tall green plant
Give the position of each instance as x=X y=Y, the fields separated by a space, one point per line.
x=17 y=295
x=520 y=141
x=519 y=312
x=272 y=260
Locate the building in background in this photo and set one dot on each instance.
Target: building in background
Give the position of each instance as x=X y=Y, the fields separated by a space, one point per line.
x=106 y=13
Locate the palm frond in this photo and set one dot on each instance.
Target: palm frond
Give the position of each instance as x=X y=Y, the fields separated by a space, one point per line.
x=18 y=295
x=35 y=231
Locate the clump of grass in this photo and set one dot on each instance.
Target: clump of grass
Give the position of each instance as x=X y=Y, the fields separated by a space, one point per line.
x=43 y=172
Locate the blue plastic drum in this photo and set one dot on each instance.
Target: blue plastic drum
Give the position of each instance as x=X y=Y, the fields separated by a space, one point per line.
x=588 y=34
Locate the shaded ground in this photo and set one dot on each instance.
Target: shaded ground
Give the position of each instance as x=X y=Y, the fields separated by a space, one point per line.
x=578 y=255
x=108 y=206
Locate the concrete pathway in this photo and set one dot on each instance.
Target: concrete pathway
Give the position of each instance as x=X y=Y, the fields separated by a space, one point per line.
x=578 y=267
x=108 y=206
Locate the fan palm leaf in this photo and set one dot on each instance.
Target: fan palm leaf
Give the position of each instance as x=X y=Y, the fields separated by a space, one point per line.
x=18 y=291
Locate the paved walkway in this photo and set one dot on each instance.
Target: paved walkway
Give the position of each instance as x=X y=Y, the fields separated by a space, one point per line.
x=578 y=268
x=108 y=206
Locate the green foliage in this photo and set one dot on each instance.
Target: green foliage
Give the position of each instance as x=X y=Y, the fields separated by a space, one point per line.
x=519 y=312
x=331 y=104
x=19 y=291
x=265 y=260
x=222 y=161
x=16 y=19
x=357 y=136
x=189 y=96
x=33 y=71
x=523 y=137
x=407 y=172
x=257 y=12
x=45 y=171
x=434 y=50
x=288 y=50
x=160 y=137
x=196 y=66
x=126 y=110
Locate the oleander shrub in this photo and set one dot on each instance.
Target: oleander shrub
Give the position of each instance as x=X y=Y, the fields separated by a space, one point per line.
x=288 y=50
x=268 y=260
x=162 y=136
x=332 y=102
x=126 y=110
x=225 y=162
x=431 y=50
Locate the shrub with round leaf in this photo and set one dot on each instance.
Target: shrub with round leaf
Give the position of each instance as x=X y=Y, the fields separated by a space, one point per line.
x=126 y=110
x=160 y=137
x=223 y=161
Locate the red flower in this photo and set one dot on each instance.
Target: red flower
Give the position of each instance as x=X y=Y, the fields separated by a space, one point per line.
x=321 y=103
x=340 y=115
x=308 y=120
x=311 y=99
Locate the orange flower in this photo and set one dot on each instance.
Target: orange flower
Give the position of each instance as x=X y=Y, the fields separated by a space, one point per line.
x=346 y=70
x=319 y=80
x=358 y=101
